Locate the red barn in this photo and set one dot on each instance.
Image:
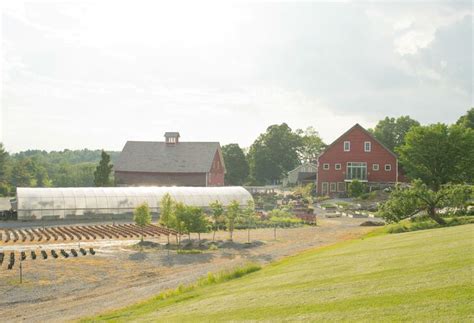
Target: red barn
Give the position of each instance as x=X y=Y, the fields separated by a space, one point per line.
x=355 y=155
x=170 y=163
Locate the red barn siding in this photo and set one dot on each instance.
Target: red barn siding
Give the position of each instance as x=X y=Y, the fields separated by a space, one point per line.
x=216 y=174
x=335 y=154
x=160 y=179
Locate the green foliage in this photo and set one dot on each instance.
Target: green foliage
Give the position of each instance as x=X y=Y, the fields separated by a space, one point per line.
x=167 y=215
x=356 y=188
x=142 y=215
x=467 y=120
x=217 y=215
x=283 y=217
x=406 y=202
x=311 y=144
x=408 y=226
x=438 y=154
x=103 y=171
x=3 y=164
x=236 y=164
x=232 y=214
x=189 y=219
x=391 y=132
x=274 y=153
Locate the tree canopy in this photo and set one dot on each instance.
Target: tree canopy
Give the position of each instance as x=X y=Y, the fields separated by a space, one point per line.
x=236 y=164
x=406 y=202
x=274 y=153
x=467 y=120
x=391 y=132
x=439 y=154
x=311 y=146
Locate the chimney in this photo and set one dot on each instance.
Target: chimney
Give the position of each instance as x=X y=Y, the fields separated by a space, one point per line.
x=171 y=138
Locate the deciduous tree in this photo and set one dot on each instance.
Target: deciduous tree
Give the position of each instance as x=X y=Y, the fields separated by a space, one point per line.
x=438 y=154
x=237 y=167
x=406 y=202
x=391 y=132
x=142 y=216
x=232 y=214
x=217 y=212
x=467 y=120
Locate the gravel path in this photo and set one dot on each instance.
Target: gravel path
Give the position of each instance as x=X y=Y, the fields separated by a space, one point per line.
x=118 y=275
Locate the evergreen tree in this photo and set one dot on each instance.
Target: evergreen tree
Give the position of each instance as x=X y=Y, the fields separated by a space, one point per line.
x=103 y=171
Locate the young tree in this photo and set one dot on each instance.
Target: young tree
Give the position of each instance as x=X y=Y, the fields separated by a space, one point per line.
x=167 y=216
x=391 y=132
x=236 y=164
x=197 y=221
x=406 y=202
x=180 y=224
x=248 y=217
x=103 y=171
x=217 y=212
x=232 y=215
x=438 y=154
x=356 y=188
x=142 y=216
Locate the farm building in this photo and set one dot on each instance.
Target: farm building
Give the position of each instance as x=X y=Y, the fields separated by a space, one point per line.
x=356 y=155
x=170 y=163
x=301 y=175
x=114 y=202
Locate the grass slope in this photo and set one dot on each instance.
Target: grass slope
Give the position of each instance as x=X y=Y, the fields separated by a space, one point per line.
x=415 y=276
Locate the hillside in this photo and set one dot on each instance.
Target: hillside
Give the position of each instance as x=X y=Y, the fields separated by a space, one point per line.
x=416 y=276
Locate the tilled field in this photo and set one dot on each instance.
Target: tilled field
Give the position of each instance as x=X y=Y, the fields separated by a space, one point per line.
x=119 y=274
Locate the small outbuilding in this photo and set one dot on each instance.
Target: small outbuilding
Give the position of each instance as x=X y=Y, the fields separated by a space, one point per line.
x=302 y=175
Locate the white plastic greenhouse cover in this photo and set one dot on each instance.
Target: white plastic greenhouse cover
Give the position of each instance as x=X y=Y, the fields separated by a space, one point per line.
x=36 y=203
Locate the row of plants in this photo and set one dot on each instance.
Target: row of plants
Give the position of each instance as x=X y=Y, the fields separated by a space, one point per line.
x=186 y=219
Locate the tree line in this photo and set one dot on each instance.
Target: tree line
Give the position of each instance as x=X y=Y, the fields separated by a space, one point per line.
x=38 y=168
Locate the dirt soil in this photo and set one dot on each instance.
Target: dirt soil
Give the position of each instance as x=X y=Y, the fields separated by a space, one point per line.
x=119 y=274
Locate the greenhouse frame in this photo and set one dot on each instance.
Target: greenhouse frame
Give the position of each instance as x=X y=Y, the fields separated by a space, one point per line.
x=115 y=202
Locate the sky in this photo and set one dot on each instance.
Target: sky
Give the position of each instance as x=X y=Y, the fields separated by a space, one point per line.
x=94 y=74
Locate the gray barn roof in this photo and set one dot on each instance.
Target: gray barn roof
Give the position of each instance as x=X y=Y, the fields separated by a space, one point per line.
x=159 y=157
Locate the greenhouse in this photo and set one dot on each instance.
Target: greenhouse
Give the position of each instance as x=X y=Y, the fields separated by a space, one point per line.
x=114 y=202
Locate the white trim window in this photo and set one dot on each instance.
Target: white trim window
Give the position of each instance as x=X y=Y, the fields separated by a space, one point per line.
x=388 y=167
x=367 y=146
x=332 y=187
x=326 y=166
x=375 y=167
x=347 y=146
x=337 y=166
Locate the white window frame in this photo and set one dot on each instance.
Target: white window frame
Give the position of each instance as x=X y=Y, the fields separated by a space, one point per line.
x=339 y=184
x=367 y=146
x=375 y=167
x=332 y=187
x=337 y=166
x=348 y=148
x=325 y=187
x=326 y=166
x=389 y=168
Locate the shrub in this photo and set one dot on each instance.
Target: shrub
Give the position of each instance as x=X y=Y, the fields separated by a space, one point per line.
x=356 y=188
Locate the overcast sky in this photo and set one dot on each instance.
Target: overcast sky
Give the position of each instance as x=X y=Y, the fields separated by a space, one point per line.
x=78 y=74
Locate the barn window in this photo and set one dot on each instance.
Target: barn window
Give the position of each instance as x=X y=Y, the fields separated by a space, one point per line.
x=375 y=167
x=337 y=166
x=326 y=166
x=367 y=146
x=341 y=186
x=356 y=171
x=347 y=146
x=388 y=167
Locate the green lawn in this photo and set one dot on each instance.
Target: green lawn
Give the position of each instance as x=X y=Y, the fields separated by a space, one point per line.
x=415 y=276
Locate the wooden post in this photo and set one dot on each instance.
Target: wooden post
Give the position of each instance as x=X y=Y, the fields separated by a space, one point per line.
x=21 y=271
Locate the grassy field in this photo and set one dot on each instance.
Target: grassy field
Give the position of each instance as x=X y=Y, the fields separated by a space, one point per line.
x=415 y=276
